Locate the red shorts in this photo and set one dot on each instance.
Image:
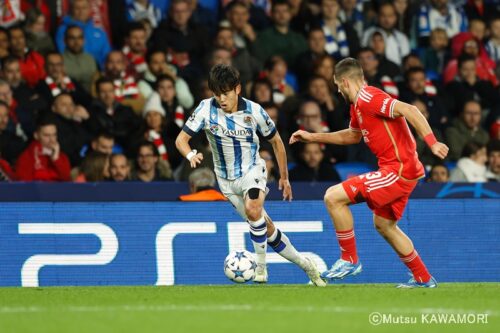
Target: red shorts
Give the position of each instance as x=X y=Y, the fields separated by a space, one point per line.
x=384 y=191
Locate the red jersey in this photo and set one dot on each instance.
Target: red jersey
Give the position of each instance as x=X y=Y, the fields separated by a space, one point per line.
x=389 y=138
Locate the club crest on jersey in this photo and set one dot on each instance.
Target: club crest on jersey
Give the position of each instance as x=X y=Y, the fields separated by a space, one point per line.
x=214 y=129
x=247 y=120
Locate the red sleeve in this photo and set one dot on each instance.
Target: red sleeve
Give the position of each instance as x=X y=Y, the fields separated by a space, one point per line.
x=63 y=168
x=353 y=123
x=378 y=104
x=24 y=167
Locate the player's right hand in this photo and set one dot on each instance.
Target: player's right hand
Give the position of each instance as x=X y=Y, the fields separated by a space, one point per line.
x=195 y=160
x=440 y=150
x=300 y=136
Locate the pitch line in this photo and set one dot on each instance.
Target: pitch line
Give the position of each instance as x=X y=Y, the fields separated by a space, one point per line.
x=233 y=308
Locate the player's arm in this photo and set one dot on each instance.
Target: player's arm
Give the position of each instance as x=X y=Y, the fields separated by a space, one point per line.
x=418 y=121
x=182 y=144
x=344 y=137
x=280 y=153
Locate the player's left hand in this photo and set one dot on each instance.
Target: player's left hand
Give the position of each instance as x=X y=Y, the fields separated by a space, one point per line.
x=440 y=150
x=284 y=185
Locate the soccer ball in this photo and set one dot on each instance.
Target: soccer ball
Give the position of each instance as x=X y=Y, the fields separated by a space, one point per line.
x=239 y=266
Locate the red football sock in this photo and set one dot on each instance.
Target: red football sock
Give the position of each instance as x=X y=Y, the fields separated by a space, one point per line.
x=347 y=243
x=417 y=266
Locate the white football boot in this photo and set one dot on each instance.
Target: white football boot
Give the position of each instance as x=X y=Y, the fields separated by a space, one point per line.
x=260 y=274
x=313 y=273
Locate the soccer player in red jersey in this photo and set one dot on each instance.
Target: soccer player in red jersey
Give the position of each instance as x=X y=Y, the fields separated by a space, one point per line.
x=381 y=121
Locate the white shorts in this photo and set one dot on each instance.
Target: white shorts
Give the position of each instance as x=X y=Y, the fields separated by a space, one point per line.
x=236 y=190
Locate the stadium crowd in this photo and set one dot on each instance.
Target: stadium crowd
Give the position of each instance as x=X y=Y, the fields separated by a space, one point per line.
x=95 y=90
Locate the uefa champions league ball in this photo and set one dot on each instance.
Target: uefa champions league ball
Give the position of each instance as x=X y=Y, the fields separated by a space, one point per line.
x=240 y=266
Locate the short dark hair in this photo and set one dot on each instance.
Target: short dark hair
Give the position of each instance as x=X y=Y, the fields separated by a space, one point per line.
x=151 y=52
x=134 y=26
x=279 y=3
x=105 y=135
x=273 y=61
x=8 y=60
x=16 y=27
x=493 y=146
x=439 y=164
x=348 y=67
x=465 y=58
x=163 y=77
x=103 y=80
x=223 y=78
x=413 y=70
x=364 y=50
x=471 y=148
x=46 y=120
x=72 y=26
x=150 y=145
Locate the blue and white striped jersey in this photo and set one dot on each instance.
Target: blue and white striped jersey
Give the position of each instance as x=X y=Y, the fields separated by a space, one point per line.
x=232 y=136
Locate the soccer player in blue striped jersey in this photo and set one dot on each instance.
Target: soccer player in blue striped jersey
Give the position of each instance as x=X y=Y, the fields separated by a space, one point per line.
x=231 y=124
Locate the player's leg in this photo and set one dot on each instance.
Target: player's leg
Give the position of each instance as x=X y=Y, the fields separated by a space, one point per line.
x=254 y=202
x=387 y=227
x=337 y=202
x=282 y=245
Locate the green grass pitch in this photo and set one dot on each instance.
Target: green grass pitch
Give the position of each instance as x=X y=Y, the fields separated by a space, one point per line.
x=246 y=308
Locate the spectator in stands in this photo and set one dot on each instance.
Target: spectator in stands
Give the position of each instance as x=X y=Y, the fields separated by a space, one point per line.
x=493 y=172
x=465 y=45
x=436 y=55
x=275 y=70
x=126 y=89
x=80 y=65
x=373 y=76
x=440 y=14
x=161 y=126
x=279 y=39
x=202 y=187
x=43 y=160
x=272 y=172
x=341 y=38
x=108 y=115
x=219 y=55
x=493 y=43
x=316 y=41
x=4 y=43
x=103 y=143
x=137 y=10
x=419 y=87
x=31 y=62
x=149 y=168
x=479 y=9
x=238 y=15
x=119 y=168
x=377 y=44
x=477 y=28
x=471 y=167
x=11 y=145
x=22 y=121
x=68 y=119
x=351 y=12
x=325 y=67
x=312 y=166
x=57 y=82
x=96 y=40
x=156 y=60
x=94 y=168
x=204 y=16
x=262 y=91
x=466 y=129
x=37 y=37
x=396 y=42
x=174 y=112
x=439 y=174
x=178 y=28
x=26 y=97
x=467 y=85
x=242 y=60
x=135 y=49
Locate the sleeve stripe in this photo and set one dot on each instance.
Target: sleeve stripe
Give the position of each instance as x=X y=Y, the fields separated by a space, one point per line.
x=391 y=109
x=271 y=135
x=188 y=130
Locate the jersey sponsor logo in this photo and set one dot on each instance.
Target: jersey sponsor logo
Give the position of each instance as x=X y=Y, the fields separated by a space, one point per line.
x=384 y=105
x=218 y=130
x=365 y=135
x=354 y=188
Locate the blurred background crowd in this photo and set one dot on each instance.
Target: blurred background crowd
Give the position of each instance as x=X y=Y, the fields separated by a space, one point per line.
x=95 y=90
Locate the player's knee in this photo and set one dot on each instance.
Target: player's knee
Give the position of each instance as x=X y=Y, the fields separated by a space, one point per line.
x=253 y=210
x=382 y=227
x=330 y=199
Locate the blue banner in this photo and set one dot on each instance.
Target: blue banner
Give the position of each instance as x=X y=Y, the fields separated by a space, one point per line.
x=165 y=243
